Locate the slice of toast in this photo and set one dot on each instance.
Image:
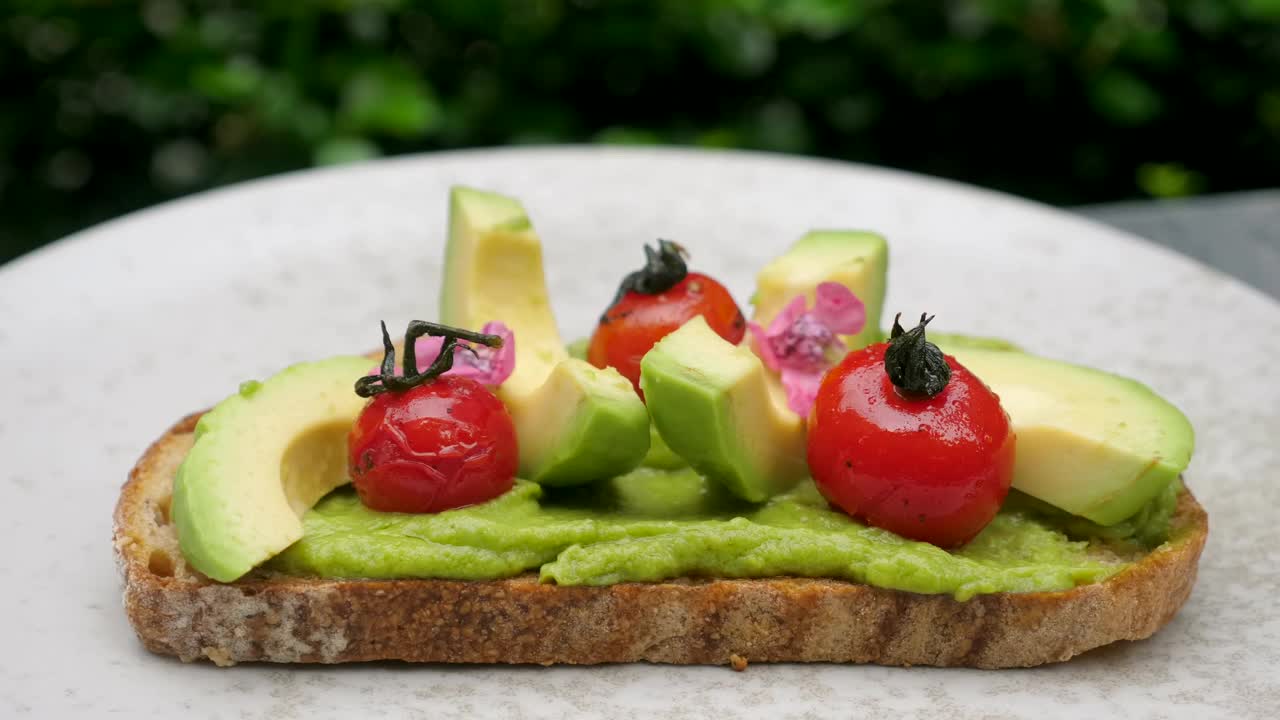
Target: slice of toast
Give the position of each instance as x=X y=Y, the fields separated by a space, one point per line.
x=272 y=618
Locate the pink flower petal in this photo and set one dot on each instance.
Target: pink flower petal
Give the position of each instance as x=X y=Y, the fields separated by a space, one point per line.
x=763 y=347
x=487 y=366
x=502 y=361
x=787 y=317
x=839 y=309
x=802 y=344
x=802 y=389
x=425 y=350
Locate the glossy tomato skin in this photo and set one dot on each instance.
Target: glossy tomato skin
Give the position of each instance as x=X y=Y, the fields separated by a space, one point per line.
x=637 y=321
x=933 y=469
x=444 y=444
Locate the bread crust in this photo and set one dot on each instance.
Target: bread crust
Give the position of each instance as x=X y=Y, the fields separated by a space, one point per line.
x=176 y=611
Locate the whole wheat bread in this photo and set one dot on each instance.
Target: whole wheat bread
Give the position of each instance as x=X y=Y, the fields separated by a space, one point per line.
x=177 y=611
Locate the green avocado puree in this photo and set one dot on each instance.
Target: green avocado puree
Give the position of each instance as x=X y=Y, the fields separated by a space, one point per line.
x=653 y=524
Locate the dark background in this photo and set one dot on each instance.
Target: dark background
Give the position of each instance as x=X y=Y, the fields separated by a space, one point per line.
x=106 y=107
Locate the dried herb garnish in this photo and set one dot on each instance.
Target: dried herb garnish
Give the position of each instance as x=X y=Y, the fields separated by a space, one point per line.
x=915 y=365
x=663 y=269
x=388 y=381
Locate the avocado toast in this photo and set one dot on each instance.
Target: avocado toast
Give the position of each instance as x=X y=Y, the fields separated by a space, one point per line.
x=274 y=618
x=667 y=564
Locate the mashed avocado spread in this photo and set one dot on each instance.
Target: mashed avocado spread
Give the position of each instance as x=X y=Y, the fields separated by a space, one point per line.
x=655 y=524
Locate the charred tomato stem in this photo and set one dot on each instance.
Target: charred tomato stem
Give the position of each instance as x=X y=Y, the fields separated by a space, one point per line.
x=916 y=367
x=388 y=381
x=663 y=269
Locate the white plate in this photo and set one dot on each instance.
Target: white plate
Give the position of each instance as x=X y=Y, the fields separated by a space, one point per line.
x=109 y=336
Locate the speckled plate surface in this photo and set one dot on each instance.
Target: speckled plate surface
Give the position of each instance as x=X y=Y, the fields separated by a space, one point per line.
x=109 y=336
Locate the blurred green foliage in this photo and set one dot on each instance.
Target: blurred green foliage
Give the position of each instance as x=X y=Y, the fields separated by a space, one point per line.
x=109 y=106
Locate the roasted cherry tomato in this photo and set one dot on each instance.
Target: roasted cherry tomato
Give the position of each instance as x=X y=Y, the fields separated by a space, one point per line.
x=927 y=454
x=428 y=442
x=441 y=445
x=656 y=301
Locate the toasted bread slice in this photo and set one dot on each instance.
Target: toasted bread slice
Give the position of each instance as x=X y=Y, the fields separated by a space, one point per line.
x=271 y=618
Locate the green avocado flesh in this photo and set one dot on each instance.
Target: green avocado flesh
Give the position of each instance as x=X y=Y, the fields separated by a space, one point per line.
x=652 y=524
x=261 y=458
x=1091 y=443
x=711 y=402
x=574 y=422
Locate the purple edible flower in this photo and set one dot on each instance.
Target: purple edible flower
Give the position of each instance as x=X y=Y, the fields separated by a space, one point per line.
x=802 y=344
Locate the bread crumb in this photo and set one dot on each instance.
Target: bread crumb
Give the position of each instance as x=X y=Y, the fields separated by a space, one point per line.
x=738 y=662
x=219 y=656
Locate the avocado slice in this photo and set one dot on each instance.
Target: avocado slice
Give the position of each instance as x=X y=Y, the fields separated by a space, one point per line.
x=856 y=259
x=713 y=404
x=1094 y=444
x=262 y=458
x=574 y=422
x=660 y=456
x=950 y=342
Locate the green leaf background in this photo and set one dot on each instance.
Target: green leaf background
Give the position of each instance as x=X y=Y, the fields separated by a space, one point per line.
x=106 y=107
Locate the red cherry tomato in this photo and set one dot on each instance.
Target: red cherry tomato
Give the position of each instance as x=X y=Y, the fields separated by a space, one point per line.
x=637 y=321
x=933 y=469
x=444 y=444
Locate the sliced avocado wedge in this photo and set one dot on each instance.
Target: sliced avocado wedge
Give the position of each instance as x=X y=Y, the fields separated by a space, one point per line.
x=574 y=422
x=714 y=405
x=858 y=260
x=261 y=459
x=950 y=342
x=660 y=456
x=1094 y=444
